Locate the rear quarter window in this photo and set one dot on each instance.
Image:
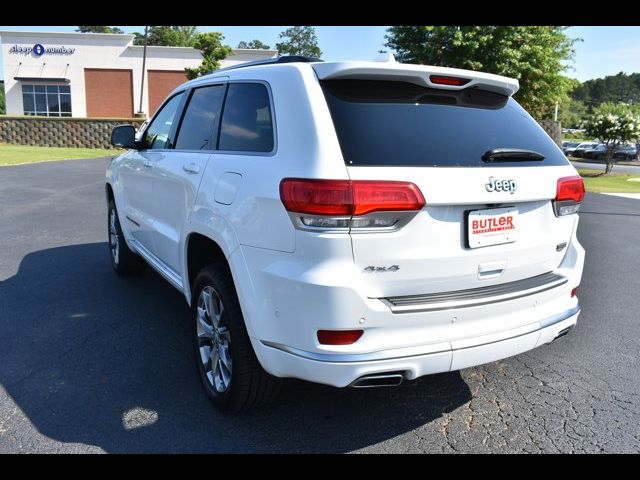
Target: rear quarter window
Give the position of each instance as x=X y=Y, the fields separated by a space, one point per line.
x=247 y=122
x=389 y=123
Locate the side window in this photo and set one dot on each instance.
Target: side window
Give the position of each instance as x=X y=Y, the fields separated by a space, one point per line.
x=156 y=136
x=247 y=124
x=197 y=128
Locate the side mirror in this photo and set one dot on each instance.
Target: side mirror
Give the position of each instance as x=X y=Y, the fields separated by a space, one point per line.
x=124 y=136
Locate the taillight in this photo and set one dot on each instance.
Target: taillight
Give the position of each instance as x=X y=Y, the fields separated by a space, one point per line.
x=375 y=196
x=569 y=195
x=574 y=291
x=350 y=204
x=445 y=80
x=339 y=337
x=317 y=197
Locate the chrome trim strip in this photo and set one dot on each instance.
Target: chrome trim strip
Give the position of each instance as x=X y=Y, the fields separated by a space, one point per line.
x=475 y=296
x=409 y=351
x=172 y=277
x=561 y=317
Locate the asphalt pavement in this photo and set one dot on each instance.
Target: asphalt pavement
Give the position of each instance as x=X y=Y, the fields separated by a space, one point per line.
x=93 y=362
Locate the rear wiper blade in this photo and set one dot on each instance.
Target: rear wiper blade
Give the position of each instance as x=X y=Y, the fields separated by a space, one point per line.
x=511 y=155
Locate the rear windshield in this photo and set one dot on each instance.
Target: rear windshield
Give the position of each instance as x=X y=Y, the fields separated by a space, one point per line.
x=388 y=123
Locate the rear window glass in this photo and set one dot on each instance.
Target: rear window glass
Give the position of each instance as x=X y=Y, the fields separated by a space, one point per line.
x=388 y=123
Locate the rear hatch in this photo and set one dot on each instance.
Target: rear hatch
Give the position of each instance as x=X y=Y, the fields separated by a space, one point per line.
x=487 y=171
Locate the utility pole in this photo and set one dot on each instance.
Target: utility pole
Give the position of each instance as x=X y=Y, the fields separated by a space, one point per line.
x=555 y=115
x=144 y=62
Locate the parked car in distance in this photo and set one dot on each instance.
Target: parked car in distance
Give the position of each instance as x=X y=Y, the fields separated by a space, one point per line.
x=597 y=153
x=626 y=151
x=323 y=223
x=622 y=152
x=569 y=147
x=584 y=146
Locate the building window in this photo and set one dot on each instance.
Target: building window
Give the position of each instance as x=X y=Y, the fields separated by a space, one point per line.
x=47 y=100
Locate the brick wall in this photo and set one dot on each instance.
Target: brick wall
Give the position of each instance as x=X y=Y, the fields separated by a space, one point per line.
x=553 y=129
x=61 y=132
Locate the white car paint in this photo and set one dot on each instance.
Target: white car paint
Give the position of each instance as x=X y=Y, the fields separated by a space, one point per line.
x=292 y=282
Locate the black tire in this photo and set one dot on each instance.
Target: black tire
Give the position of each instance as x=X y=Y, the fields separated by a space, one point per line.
x=124 y=262
x=249 y=385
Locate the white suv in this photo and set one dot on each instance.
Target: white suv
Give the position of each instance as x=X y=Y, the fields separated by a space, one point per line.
x=349 y=223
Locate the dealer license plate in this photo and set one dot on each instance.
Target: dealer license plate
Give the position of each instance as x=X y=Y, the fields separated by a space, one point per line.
x=492 y=226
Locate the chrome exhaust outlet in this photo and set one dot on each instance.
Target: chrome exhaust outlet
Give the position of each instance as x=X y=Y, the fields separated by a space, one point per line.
x=562 y=333
x=378 y=380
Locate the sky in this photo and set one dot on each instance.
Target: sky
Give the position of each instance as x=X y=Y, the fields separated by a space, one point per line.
x=602 y=51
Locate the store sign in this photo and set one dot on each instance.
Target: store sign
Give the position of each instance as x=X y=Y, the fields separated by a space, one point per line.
x=38 y=50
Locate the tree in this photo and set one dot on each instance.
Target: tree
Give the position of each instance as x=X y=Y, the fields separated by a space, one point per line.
x=613 y=88
x=254 y=44
x=299 y=41
x=612 y=124
x=212 y=49
x=572 y=114
x=176 y=36
x=83 y=29
x=536 y=56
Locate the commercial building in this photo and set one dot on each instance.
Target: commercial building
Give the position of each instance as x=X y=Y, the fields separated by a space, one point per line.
x=93 y=74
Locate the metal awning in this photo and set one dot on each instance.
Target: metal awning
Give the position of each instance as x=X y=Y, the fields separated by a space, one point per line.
x=43 y=79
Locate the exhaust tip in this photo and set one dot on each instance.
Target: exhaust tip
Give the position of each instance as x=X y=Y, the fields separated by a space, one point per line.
x=562 y=333
x=392 y=379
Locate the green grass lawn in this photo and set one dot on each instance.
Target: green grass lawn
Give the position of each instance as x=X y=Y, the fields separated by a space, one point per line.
x=19 y=154
x=596 y=182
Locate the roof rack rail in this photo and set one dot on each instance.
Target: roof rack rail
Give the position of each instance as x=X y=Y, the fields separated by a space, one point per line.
x=270 y=61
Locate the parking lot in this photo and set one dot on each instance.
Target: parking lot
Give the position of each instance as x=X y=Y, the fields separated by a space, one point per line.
x=92 y=362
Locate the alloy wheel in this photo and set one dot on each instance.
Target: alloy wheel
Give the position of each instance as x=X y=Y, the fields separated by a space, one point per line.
x=213 y=340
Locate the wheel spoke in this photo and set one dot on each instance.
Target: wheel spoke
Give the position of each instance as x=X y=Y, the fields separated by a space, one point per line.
x=215 y=357
x=224 y=334
x=218 y=308
x=225 y=358
x=204 y=329
x=205 y=356
x=225 y=374
x=206 y=297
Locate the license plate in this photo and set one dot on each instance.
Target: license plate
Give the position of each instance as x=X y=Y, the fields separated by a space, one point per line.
x=493 y=226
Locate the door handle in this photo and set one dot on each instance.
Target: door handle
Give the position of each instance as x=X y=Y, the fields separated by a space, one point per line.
x=147 y=163
x=191 y=167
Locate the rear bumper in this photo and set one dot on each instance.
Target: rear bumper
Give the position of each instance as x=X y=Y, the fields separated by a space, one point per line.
x=340 y=370
x=287 y=298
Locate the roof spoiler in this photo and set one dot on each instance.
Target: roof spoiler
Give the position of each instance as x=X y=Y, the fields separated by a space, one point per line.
x=424 y=75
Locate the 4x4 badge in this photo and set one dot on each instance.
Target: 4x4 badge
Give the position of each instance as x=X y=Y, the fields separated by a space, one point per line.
x=392 y=268
x=501 y=185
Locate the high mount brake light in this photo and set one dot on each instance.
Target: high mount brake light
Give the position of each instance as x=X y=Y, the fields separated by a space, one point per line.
x=569 y=195
x=445 y=80
x=344 y=204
